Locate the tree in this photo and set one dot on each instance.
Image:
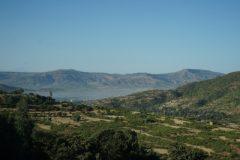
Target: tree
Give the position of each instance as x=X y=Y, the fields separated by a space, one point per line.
x=24 y=124
x=59 y=114
x=76 y=117
x=116 y=145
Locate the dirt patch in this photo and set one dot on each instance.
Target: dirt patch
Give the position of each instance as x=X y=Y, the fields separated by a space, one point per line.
x=88 y=119
x=222 y=128
x=193 y=130
x=113 y=116
x=135 y=112
x=177 y=121
x=47 y=127
x=208 y=150
x=233 y=125
x=161 y=151
x=165 y=124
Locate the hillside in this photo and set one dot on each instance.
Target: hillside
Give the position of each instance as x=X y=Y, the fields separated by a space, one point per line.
x=221 y=94
x=8 y=88
x=72 y=131
x=86 y=85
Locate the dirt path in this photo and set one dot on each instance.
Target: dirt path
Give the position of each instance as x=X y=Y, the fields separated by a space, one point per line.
x=94 y=119
x=168 y=125
x=208 y=150
x=223 y=128
x=177 y=121
x=113 y=116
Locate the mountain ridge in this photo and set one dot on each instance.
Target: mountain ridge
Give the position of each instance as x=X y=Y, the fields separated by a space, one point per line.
x=221 y=94
x=78 y=81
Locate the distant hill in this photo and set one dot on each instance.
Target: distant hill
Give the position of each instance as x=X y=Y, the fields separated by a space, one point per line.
x=221 y=94
x=8 y=88
x=76 y=80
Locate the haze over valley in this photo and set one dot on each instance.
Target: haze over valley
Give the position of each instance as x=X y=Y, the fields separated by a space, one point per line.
x=77 y=85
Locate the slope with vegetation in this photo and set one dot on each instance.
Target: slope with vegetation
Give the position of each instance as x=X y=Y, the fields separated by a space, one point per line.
x=211 y=99
x=41 y=128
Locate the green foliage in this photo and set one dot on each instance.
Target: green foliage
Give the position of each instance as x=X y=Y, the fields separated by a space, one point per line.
x=115 y=145
x=180 y=152
x=76 y=117
x=16 y=138
x=58 y=127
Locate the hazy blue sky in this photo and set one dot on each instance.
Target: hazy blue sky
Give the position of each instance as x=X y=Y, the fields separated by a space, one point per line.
x=120 y=36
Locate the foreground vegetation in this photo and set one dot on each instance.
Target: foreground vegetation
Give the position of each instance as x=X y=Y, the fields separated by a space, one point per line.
x=37 y=127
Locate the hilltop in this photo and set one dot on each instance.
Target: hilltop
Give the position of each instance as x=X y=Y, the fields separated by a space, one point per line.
x=219 y=95
x=71 y=82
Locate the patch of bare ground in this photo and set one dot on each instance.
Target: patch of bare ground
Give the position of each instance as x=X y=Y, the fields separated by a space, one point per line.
x=237 y=140
x=47 y=127
x=168 y=125
x=64 y=120
x=233 y=125
x=135 y=112
x=208 y=150
x=190 y=129
x=161 y=151
x=177 y=121
x=222 y=128
x=193 y=130
x=88 y=119
x=113 y=116
x=224 y=138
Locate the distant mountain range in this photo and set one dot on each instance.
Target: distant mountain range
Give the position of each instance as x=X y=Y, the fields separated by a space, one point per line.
x=76 y=80
x=221 y=94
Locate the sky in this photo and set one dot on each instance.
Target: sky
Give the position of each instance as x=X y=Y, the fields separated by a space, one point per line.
x=120 y=36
